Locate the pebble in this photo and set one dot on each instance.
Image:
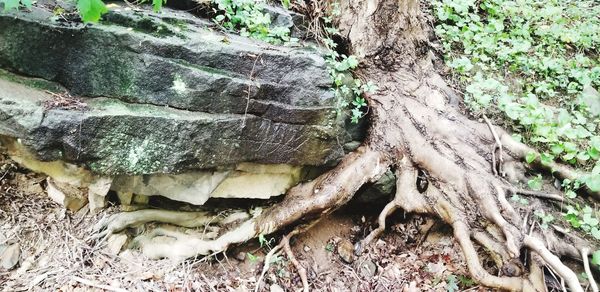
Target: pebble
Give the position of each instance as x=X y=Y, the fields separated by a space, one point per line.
x=240 y=256
x=10 y=256
x=368 y=269
x=345 y=249
x=276 y=288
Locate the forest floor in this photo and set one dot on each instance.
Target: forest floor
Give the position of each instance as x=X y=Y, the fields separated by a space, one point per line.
x=55 y=254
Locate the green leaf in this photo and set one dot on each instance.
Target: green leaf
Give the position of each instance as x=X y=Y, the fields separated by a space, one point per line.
x=251 y=257
x=596 y=258
x=352 y=62
x=452 y=285
x=571 y=194
x=530 y=157
x=157 y=5
x=10 y=4
x=596 y=232
x=536 y=183
x=593 y=182
x=91 y=10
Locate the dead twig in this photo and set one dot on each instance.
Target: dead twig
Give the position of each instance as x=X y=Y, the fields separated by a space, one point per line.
x=100 y=286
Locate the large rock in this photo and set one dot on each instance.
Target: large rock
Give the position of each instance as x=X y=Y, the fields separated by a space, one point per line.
x=163 y=93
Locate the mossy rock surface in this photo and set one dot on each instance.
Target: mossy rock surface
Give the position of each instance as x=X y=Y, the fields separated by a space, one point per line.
x=164 y=93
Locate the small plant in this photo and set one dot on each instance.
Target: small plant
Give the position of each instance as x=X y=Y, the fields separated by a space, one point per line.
x=520 y=200
x=452 y=283
x=535 y=183
x=252 y=257
x=536 y=64
x=348 y=91
x=248 y=17
x=329 y=247
x=545 y=218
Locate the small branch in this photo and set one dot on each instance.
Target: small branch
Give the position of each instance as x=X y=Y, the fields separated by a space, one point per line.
x=99 y=286
x=586 y=266
x=387 y=210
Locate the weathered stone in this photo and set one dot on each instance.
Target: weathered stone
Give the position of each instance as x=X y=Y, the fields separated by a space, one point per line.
x=10 y=256
x=245 y=181
x=97 y=192
x=275 y=288
x=115 y=243
x=345 y=249
x=67 y=195
x=165 y=94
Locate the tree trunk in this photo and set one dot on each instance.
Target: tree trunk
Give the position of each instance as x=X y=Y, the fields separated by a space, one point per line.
x=418 y=129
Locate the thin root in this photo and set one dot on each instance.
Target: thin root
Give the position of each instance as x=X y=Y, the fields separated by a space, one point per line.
x=387 y=210
x=586 y=266
x=496 y=165
x=285 y=245
x=554 y=262
x=542 y=195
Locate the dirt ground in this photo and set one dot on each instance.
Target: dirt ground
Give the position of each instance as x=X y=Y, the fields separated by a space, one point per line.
x=56 y=253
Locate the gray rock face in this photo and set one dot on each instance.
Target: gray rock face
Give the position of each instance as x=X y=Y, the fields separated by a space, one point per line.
x=164 y=93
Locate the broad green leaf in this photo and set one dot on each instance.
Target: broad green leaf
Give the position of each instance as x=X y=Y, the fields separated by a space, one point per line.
x=157 y=4
x=593 y=182
x=91 y=10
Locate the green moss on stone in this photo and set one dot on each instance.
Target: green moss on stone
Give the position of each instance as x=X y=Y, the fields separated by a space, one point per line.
x=31 y=82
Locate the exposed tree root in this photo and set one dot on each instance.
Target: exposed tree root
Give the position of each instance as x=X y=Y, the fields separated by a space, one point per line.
x=586 y=265
x=285 y=245
x=416 y=127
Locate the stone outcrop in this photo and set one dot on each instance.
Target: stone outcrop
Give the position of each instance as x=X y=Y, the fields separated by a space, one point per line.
x=162 y=104
x=163 y=93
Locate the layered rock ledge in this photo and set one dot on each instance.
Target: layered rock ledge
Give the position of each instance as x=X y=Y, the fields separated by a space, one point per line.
x=162 y=93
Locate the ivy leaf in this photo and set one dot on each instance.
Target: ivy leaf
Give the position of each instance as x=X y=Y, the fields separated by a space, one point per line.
x=596 y=232
x=536 y=183
x=10 y=4
x=352 y=62
x=530 y=157
x=91 y=10
x=596 y=258
x=157 y=5
x=593 y=182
